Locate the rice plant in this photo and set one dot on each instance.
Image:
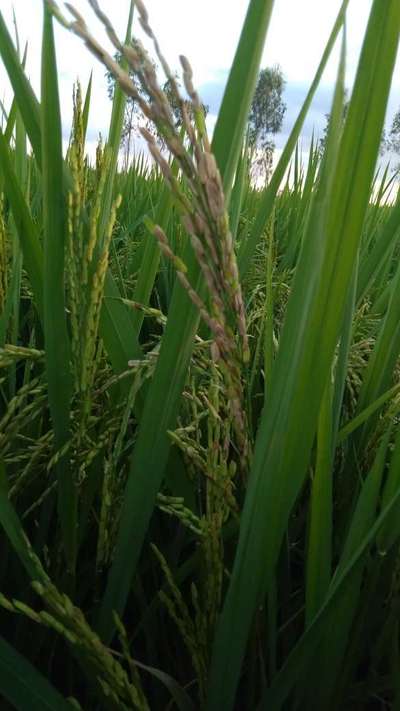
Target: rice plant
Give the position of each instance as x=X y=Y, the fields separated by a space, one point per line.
x=200 y=398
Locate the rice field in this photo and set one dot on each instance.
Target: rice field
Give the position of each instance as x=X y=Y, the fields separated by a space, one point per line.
x=200 y=391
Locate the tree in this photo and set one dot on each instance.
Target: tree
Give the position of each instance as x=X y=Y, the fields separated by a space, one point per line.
x=265 y=119
x=322 y=143
x=133 y=117
x=393 y=142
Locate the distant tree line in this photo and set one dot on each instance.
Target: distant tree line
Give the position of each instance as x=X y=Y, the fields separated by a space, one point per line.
x=265 y=121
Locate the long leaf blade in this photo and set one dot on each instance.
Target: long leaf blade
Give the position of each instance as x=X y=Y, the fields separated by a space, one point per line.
x=55 y=328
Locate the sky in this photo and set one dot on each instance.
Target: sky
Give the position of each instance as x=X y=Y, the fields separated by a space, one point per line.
x=207 y=32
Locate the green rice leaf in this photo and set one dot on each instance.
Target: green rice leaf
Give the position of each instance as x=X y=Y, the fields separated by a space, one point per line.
x=308 y=340
x=23 y=686
x=295 y=666
x=23 y=92
x=26 y=228
x=249 y=246
x=57 y=343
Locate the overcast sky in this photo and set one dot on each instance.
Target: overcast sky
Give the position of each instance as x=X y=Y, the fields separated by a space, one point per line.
x=207 y=32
